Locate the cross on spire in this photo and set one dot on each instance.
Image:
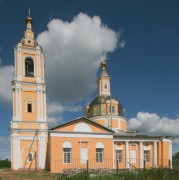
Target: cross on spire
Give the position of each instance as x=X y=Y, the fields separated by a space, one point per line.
x=29 y=12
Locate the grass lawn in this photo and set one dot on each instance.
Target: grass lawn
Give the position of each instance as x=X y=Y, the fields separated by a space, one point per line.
x=151 y=174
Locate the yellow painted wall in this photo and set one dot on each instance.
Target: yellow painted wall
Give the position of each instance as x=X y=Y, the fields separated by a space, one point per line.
x=57 y=164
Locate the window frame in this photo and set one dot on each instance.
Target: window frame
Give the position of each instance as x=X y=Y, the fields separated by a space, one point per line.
x=29 y=107
x=105 y=86
x=119 y=155
x=66 y=159
x=100 y=155
x=147 y=156
x=29 y=60
x=30 y=159
x=113 y=109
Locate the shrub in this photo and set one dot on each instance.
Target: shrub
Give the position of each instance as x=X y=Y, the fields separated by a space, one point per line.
x=5 y=164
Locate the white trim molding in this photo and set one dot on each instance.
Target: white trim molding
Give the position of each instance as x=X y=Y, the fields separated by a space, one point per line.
x=102 y=136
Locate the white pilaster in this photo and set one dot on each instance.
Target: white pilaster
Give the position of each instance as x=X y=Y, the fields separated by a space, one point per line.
x=127 y=154
x=20 y=104
x=42 y=151
x=16 y=151
x=15 y=62
x=42 y=104
x=38 y=69
x=45 y=106
x=17 y=102
x=38 y=105
x=141 y=154
x=19 y=62
x=155 y=154
x=13 y=95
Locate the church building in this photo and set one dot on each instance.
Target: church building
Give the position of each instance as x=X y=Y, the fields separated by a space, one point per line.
x=100 y=139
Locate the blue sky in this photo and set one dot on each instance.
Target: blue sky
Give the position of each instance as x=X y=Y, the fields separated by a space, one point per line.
x=144 y=71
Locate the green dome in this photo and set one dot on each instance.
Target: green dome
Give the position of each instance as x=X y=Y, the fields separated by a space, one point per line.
x=98 y=107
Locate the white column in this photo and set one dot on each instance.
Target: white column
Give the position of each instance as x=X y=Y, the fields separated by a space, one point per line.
x=43 y=66
x=19 y=64
x=38 y=69
x=45 y=106
x=155 y=154
x=20 y=104
x=42 y=151
x=16 y=152
x=38 y=105
x=41 y=104
x=16 y=94
x=13 y=95
x=141 y=154
x=127 y=154
x=15 y=62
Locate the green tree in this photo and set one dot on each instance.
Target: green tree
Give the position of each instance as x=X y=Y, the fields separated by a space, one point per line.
x=5 y=164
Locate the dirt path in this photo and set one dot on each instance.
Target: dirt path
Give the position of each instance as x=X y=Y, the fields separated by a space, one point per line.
x=7 y=174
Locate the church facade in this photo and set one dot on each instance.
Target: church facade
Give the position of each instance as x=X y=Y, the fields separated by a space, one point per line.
x=100 y=139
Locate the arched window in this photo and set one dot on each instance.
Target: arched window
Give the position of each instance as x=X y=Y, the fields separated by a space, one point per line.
x=29 y=67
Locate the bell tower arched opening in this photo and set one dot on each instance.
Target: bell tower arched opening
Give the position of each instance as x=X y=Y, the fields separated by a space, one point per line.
x=29 y=67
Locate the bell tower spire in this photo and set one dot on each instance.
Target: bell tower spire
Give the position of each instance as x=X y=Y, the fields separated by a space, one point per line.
x=29 y=21
x=103 y=81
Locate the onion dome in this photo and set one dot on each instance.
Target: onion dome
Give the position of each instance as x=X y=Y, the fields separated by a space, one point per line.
x=98 y=107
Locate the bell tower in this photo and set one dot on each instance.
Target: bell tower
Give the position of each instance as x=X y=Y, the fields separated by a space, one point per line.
x=103 y=81
x=29 y=128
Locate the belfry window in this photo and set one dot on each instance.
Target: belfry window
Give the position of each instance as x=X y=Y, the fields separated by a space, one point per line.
x=105 y=86
x=29 y=67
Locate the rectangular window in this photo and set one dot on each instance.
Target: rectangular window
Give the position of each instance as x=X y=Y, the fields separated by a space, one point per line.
x=29 y=107
x=147 y=155
x=105 y=86
x=99 y=155
x=67 y=155
x=111 y=109
x=119 y=155
x=30 y=157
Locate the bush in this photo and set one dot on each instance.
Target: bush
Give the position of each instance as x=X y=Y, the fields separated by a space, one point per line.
x=5 y=164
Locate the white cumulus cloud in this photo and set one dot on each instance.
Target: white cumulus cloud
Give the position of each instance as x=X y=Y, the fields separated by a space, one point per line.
x=72 y=53
x=152 y=123
x=6 y=76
